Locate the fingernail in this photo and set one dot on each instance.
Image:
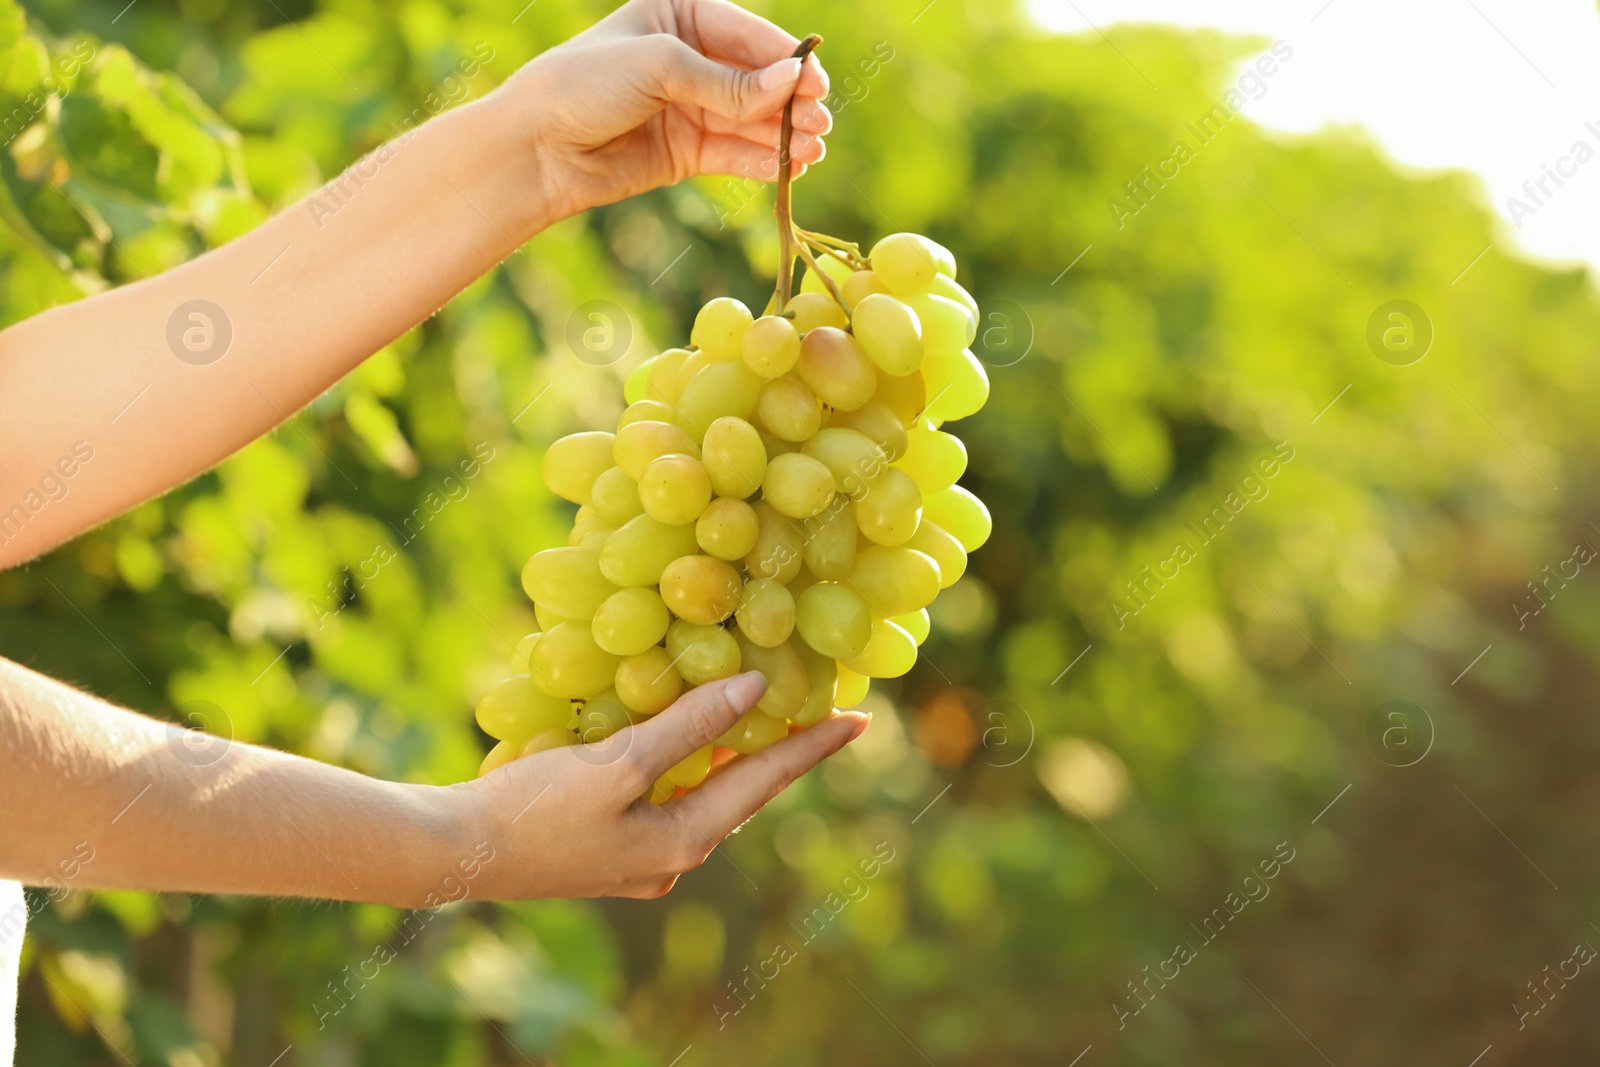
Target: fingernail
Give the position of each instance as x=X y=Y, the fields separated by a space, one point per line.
x=866 y=721
x=746 y=689
x=783 y=72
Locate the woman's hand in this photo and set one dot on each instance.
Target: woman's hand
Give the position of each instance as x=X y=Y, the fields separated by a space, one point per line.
x=660 y=91
x=577 y=822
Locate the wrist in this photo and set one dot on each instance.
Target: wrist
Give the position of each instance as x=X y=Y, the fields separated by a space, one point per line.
x=512 y=185
x=442 y=849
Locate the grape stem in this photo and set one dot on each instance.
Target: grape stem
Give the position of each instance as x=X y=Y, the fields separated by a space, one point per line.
x=828 y=283
x=784 y=210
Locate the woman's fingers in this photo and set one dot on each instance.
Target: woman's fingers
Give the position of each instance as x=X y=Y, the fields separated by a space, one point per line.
x=682 y=75
x=732 y=34
x=695 y=720
x=735 y=794
x=723 y=154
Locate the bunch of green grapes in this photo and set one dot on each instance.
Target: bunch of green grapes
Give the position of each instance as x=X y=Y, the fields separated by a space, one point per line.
x=778 y=496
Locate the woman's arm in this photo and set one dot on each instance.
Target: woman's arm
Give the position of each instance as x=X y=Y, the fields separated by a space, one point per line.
x=163 y=378
x=98 y=797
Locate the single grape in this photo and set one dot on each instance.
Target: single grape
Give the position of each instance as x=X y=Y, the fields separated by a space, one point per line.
x=834 y=619
x=889 y=511
x=702 y=653
x=638 y=443
x=861 y=284
x=935 y=541
x=646 y=411
x=961 y=514
x=771 y=346
x=603 y=716
x=719 y=327
x=515 y=709
x=766 y=612
x=641 y=549
x=945 y=285
x=890 y=653
x=648 y=683
x=836 y=369
x=917 y=624
x=778 y=546
x=727 y=529
x=500 y=755
x=894 y=581
x=662 y=383
x=830 y=542
x=957 y=385
x=934 y=459
x=889 y=333
x=734 y=458
x=519 y=658
x=753 y=732
x=851 y=687
x=788 y=409
x=811 y=310
x=879 y=422
x=548 y=619
x=688 y=370
x=630 y=621
x=691 y=770
x=797 y=485
x=907 y=262
x=615 y=497
x=904 y=396
x=832 y=266
x=823 y=674
x=567 y=663
x=700 y=589
x=788 y=685
x=674 y=489
x=571 y=464
x=567 y=581
x=545 y=740
x=852 y=457
x=947 y=327
x=721 y=390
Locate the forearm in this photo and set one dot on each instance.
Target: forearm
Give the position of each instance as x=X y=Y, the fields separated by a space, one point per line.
x=307 y=296
x=99 y=797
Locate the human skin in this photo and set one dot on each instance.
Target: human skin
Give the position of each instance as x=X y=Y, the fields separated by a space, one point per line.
x=657 y=92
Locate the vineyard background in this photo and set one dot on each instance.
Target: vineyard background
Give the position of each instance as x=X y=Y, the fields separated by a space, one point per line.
x=1067 y=788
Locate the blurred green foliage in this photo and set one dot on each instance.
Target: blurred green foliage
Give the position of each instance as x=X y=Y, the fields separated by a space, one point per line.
x=1133 y=394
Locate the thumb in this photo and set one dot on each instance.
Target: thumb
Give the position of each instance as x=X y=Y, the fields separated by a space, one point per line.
x=685 y=76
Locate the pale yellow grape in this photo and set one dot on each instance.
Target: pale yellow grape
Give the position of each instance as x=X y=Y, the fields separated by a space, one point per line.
x=603 y=716
x=595 y=539
x=635 y=384
x=935 y=541
x=851 y=687
x=894 y=581
x=567 y=581
x=615 y=497
x=661 y=384
x=778 y=546
x=917 y=624
x=588 y=522
x=516 y=709
x=719 y=327
x=879 y=422
x=957 y=385
x=702 y=653
x=889 y=333
x=734 y=458
x=823 y=673
x=906 y=263
x=890 y=653
x=567 y=663
x=638 y=443
x=947 y=326
x=548 y=619
x=947 y=287
x=640 y=550
x=833 y=619
x=674 y=489
x=691 y=770
x=648 y=683
x=852 y=458
x=861 y=284
x=836 y=369
x=830 y=542
x=754 y=732
x=572 y=463
x=788 y=685
x=797 y=485
x=727 y=529
x=811 y=310
x=832 y=266
x=500 y=755
x=934 y=459
x=519 y=658
x=545 y=740
x=646 y=411
x=722 y=390
x=700 y=589
x=630 y=621
x=962 y=514
x=662 y=791
x=766 y=612
x=889 y=511
x=788 y=409
x=687 y=371
x=905 y=396
x=771 y=346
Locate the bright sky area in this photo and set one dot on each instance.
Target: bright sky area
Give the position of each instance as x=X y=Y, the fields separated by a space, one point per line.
x=1503 y=88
